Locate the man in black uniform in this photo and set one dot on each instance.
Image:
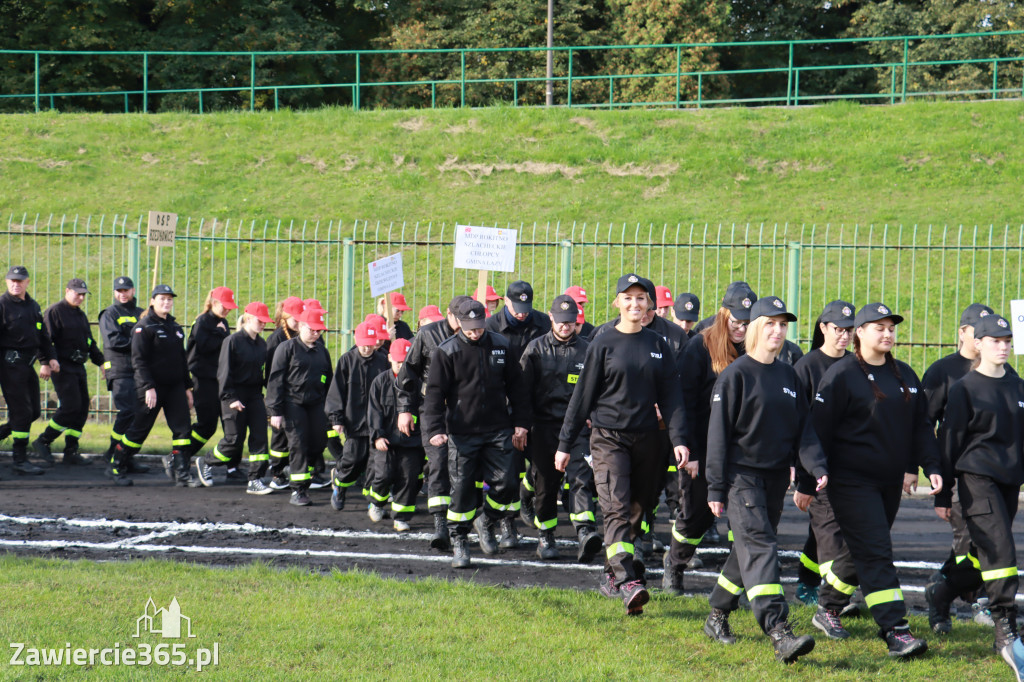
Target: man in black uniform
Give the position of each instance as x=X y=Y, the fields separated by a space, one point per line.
x=73 y=344
x=411 y=385
x=686 y=310
x=116 y=324
x=476 y=404
x=22 y=338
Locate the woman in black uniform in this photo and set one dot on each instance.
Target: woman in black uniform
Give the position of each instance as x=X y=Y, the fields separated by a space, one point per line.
x=240 y=379
x=286 y=321
x=757 y=428
x=204 y=341
x=627 y=371
x=871 y=416
x=983 y=446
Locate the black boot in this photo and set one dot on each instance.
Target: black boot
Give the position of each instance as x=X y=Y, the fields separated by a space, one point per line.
x=440 y=539
x=672 y=580
x=901 y=643
x=182 y=465
x=789 y=647
x=5 y=430
x=526 y=510
x=546 y=548
x=41 y=446
x=110 y=449
x=590 y=544
x=1006 y=630
x=485 y=533
x=460 y=551
x=117 y=470
x=509 y=534
x=717 y=627
x=19 y=452
x=939 y=596
x=72 y=457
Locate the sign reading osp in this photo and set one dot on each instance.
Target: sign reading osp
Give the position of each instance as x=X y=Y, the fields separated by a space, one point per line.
x=161 y=228
x=485 y=248
x=386 y=275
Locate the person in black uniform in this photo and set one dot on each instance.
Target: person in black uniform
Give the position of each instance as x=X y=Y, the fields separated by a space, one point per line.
x=628 y=371
x=208 y=332
x=412 y=383
x=871 y=416
x=758 y=428
x=960 y=574
x=686 y=312
x=23 y=338
x=982 y=438
x=551 y=367
x=399 y=328
x=161 y=382
x=73 y=345
x=347 y=401
x=116 y=323
x=579 y=294
x=400 y=457
x=296 y=392
x=476 y=404
x=240 y=379
x=286 y=322
x=825 y=554
x=704 y=359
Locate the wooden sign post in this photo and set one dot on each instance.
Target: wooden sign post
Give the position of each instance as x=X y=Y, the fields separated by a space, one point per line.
x=162 y=227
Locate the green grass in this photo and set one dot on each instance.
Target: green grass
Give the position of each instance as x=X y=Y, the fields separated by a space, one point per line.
x=272 y=624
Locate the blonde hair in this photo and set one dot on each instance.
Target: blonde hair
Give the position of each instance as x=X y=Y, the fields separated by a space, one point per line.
x=207 y=304
x=753 y=338
x=280 y=322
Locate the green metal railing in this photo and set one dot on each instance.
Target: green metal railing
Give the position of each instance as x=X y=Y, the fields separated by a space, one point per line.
x=928 y=273
x=999 y=75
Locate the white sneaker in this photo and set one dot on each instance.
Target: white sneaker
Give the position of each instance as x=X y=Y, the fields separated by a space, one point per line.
x=401 y=526
x=376 y=513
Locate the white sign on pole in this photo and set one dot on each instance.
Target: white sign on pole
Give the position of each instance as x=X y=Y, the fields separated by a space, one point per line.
x=1017 y=322
x=485 y=248
x=386 y=275
x=161 y=228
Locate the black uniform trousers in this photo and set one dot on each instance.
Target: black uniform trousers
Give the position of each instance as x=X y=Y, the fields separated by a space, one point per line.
x=865 y=513
x=836 y=565
x=306 y=429
x=694 y=518
x=73 y=400
x=20 y=385
x=355 y=460
x=170 y=398
x=122 y=391
x=398 y=474
x=253 y=419
x=754 y=507
x=547 y=480
x=439 y=485
x=629 y=473
x=989 y=508
x=483 y=457
x=962 y=568
x=279 y=451
x=809 y=571
x=206 y=401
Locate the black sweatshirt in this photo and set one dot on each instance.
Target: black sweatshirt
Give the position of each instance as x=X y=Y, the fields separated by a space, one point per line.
x=158 y=352
x=116 y=323
x=21 y=329
x=349 y=394
x=698 y=378
x=810 y=369
x=71 y=336
x=519 y=334
x=240 y=368
x=204 y=342
x=624 y=376
x=551 y=369
x=983 y=431
x=873 y=441
x=474 y=387
x=758 y=422
x=279 y=336
x=671 y=332
x=300 y=375
x=412 y=378
x=938 y=378
x=382 y=413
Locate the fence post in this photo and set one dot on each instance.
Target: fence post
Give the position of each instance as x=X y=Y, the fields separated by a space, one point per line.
x=906 y=50
x=37 y=82
x=355 y=90
x=789 y=80
x=569 y=87
x=679 y=65
x=133 y=258
x=348 y=285
x=793 y=283
x=462 y=53
x=252 y=81
x=565 y=267
x=995 y=79
x=145 y=83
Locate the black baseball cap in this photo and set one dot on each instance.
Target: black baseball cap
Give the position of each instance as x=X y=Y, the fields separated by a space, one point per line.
x=17 y=272
x=123 y=283
x=992 y=325
x=520 y=293
x=973 y=314
x=687 y=307
x=839 y=313
x=471 y=314
x=453 y=305
x=873 y=312
x=564 y=309
x=770 y=306
x=162 y=289
x=738 y=299
x=633 y=279
x=77 y=285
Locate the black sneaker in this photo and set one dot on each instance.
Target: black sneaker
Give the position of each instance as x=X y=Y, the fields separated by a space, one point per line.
x=26 y=468
x=300 y=499
x=73 y=458
x=634 y=596
x=485 y=530
x=257 y=487
x=789 y=647
x=590 y=544
x=902 y=644
x=717 y=627
x=42 y=450
x=828 y=622
x=135 y=467
x=279 y=483
x=460 y=552
x=118 y=476
x=607 y=587
x=236 y=474
x=337 y=496
x=672 y=579
x=318 y=481
x=940 y=599
x=205 y=472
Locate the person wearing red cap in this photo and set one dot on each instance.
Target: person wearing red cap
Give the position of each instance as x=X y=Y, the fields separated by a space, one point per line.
x=347 y=401
x=204 y=341
x=397 y=458
x=398 y=307
x=240 y=378
x=428 y=314
x=490 y=301
x=296 y=392
x=583 y=329
x=286 y=321
x=663 y=303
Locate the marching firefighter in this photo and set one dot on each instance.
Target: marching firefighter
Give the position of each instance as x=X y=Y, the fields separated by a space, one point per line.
x=116 y=323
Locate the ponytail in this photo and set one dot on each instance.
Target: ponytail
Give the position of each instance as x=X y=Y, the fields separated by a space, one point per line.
x=817 y=337
x=864 y=368
x=896 y=370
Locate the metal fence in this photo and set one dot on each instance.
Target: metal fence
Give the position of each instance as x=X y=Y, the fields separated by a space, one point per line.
x=887 y=70
x=927 y=273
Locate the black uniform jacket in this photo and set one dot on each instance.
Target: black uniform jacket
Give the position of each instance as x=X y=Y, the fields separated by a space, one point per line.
x=240 y=368
x=71 y=336
x=300 y=375
x=521 y=333
x=348 y=395
x=22 y=330
x=382 y=412
x=551 y=370
x=116 y=323
x=204 y=342
x=412 y=378
x=938 y=379
x=671 y=332
x=158 y=352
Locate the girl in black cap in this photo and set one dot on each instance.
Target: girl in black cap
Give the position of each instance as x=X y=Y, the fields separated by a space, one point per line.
x=870 y=414
x=758 y=425
x=704 y=359
x=983 y=446
x=627 y=371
